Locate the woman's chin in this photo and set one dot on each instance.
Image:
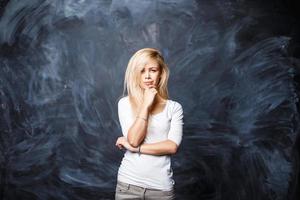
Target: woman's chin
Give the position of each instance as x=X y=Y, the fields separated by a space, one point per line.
x=144 y=87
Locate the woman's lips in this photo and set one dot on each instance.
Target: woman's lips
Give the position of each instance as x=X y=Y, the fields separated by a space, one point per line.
x=148 y=83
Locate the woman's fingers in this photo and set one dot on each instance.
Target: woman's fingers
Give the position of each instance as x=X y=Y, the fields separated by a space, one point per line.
x=152 y=86
x=120 y=146
x=151 y=91
x=120 y=142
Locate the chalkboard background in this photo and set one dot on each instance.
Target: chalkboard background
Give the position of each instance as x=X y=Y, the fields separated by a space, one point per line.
x=233 y=63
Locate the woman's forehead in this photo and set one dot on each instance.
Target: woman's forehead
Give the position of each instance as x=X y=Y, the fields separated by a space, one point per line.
x=151 y=64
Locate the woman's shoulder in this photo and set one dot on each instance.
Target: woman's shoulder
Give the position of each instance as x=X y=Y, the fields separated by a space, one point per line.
x=174 y=105
x=123 y=101
x=124 y=98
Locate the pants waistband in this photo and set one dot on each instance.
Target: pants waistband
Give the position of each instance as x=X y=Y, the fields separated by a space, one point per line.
x=127 y=185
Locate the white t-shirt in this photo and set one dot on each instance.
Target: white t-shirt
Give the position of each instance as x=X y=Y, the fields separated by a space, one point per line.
x=151 y=171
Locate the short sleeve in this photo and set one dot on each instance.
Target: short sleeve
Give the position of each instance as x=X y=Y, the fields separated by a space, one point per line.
x=125 y=117
x=176 y=127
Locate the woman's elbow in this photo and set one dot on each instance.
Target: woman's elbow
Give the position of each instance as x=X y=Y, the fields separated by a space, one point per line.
x=133 y=143
x=173 y=148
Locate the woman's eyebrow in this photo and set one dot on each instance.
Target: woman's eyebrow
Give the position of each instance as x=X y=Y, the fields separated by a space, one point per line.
x=153 y=67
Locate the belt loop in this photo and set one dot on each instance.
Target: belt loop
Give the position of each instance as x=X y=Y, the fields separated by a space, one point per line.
x=144 y=193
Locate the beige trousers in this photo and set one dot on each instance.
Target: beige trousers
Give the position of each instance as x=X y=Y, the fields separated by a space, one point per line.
x=132 y=192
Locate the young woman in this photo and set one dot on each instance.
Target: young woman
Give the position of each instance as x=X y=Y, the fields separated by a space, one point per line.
x=152 y=129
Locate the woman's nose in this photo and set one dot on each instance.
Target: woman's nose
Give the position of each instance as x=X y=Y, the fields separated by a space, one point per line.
x=147 y=75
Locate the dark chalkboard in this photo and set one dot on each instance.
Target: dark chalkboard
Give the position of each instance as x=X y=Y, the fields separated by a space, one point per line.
x=234 y=67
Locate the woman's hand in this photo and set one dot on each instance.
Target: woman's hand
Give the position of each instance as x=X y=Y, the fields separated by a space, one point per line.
x=149 y=95
x=123 y=143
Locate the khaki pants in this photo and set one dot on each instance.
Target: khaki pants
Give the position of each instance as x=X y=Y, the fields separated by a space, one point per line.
x=128 y=191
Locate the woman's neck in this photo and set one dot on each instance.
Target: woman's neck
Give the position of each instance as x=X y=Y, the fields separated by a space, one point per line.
x=158 y=99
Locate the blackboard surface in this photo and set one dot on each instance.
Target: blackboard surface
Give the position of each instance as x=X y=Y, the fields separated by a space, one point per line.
x=234 y=68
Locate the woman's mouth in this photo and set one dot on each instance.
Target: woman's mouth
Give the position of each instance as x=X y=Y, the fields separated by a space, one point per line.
x=148 y=83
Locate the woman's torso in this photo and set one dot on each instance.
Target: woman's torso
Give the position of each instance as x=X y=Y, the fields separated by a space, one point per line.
x=148 y=170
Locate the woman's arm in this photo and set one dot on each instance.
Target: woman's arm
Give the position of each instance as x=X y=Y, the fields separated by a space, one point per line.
x=134 y=129
x=137 y=132
x=166 y=147
x=159 y=148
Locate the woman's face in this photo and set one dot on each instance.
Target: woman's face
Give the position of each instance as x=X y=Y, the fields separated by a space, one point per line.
x=150 y=75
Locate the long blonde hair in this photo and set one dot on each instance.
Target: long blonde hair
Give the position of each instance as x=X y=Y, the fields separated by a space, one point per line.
x=133 y=75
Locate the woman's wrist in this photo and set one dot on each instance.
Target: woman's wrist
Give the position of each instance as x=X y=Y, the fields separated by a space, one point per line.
x=137 y=149
x=145 y=119
x=145 y=107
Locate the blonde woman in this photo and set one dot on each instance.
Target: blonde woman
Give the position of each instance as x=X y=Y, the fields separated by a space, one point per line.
x=152 y=129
